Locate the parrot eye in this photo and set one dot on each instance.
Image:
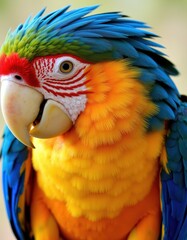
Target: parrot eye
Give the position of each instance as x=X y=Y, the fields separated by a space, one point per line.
x=66 y=67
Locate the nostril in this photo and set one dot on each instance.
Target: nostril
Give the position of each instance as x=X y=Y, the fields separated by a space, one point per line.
x=18 y=77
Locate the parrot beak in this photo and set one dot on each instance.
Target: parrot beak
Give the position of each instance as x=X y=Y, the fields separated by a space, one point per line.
x=27 y=113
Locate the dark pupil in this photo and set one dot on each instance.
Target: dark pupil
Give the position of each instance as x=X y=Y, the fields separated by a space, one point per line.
x=66 y=66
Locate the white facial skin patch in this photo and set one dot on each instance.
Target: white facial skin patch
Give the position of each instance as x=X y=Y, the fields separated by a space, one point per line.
x=63 y=79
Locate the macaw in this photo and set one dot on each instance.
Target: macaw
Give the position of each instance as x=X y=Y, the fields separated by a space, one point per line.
x=95 y=145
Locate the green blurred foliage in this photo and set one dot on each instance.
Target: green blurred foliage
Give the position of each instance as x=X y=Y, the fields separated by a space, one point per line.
x=3 y=4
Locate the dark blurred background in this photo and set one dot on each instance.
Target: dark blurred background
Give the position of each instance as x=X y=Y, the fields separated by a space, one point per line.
x=167 y=18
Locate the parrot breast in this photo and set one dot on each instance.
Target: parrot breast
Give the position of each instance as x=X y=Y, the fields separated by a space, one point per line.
x=108 y=160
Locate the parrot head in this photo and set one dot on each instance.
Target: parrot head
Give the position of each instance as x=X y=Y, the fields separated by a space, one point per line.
x=45 y=65
x=44 y=97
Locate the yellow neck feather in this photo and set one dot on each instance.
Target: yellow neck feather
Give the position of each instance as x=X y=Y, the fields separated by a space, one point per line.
x=107 y=160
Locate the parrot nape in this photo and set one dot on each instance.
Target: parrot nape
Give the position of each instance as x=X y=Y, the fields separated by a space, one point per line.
x=95 y=146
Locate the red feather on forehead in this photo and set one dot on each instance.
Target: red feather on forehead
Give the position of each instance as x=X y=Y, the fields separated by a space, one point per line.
x=13 y=64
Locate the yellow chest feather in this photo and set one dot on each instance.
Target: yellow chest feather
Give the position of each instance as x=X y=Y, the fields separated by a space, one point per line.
x=107 y=160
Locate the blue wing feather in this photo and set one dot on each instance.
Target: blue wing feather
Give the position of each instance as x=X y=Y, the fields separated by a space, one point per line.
x=145 y=61
x=158 y=92
x=14 y=155
x=174 y=184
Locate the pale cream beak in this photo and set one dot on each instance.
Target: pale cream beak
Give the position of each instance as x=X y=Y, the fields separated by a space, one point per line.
x=21 y=106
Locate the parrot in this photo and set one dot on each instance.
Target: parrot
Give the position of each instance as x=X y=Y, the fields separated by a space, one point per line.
x=95 y=139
